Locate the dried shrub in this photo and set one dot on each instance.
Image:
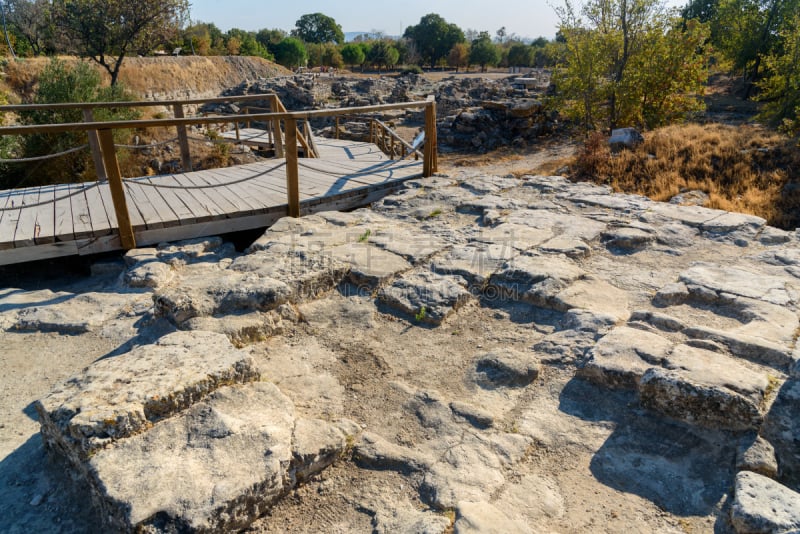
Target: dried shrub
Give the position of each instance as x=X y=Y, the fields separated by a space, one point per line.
x=747 y=169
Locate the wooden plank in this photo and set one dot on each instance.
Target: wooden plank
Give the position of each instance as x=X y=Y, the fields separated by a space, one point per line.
x=5 y=200
x=41 y=252
x=152 y=213
x=45 y=216
x=275 y=181
x=136 y=212
x=108 y=203
x=204 y=198
x=8 y=226
x=26 y=224
x=63 y=213
x=230 y=202
x=81 y=217
x=97 y=210
x=183 y=139
x=201 y=179
x=195 y=203
x=236 y=189
x=176 y=202
x=273 y=177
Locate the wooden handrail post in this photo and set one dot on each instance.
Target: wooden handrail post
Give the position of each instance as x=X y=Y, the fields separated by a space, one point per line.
x=236 y=127
x=183 y=139
x=247 y=112
x=391 y=148
x=94 y=146
x=276 y=126
x=336 y=136
x=430 y=161
x=126 y=236
x=292 y=177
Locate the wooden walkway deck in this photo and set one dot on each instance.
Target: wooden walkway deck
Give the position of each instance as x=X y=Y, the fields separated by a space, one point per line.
x=76 y=219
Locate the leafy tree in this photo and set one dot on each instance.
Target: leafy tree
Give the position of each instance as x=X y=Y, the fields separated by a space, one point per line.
x=106 y=31
x=780 y=89
x=434 y=37
x=31 y=20
x=459 y=56
x=382 y=54
x=748 y=30
x=353 y=54
x=629 y=63
x=520 y=55
x=291 y=53
x=318 y=28
x=204 y=39
x=484 y=52
x=268 y=38
x=332 y=57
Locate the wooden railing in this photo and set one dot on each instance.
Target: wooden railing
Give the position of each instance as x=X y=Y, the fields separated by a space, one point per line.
x=106 y=157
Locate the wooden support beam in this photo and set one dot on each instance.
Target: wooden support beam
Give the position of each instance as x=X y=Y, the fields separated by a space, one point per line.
x=276 y=126
x=127 y=238
x=292 y=175
x=183 y=139
x=94 y=146
x=429 y=151
x=336 y=135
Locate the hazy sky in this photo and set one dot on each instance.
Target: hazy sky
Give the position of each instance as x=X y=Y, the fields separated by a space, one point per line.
x=526 y=18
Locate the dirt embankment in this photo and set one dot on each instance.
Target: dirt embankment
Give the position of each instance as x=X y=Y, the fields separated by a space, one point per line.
x=157 y=78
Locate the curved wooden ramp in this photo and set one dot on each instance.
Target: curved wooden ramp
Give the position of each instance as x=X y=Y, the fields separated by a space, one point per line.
x=76 y=219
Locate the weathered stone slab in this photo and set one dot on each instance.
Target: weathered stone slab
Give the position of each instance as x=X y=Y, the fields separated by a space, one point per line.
x=213 y=468
x=230 y=292
x=374 y=451
x=122 y=396
x=712 y=280
x=413 y=247
x=76 y=314
x=593 y=295
x=517 y=236
x=570 y=246
x=535 y=279
x=706 y=389
x=427 y=296
x=369 y=266
x=762 y=505
x=510 y=368
x=623 y=355
x=628 y=239
x=151 y=274
x=757 y=455
x=482 y=517
x=782 y=429
x=475 y=261
x=307 y=274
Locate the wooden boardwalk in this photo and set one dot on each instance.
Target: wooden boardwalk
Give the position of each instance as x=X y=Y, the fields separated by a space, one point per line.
x=76 y=219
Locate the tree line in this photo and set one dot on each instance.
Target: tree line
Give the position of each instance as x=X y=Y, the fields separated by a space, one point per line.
x=615 y=62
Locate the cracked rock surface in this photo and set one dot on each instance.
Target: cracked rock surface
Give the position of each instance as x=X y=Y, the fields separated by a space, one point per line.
x=472 y=354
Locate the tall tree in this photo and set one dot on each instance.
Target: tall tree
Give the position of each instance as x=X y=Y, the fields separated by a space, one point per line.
x=32 y=20
x=484 y=52
x=353 y=54
x=434 y=37
x=291 y=53
x=629 y=63
x=746 y=31
x=520 y=55
x=780 y=89
x=458 y=56
x=318 y=28
x=106 y=31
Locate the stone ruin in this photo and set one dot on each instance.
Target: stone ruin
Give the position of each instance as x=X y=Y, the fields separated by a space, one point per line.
x=676 y=323
x=473 y=114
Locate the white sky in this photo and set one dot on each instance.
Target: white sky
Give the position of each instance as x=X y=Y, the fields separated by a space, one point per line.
x=525 y=18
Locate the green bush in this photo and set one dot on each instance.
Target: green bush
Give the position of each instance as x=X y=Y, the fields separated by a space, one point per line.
x=411 y=69
x=64 y=83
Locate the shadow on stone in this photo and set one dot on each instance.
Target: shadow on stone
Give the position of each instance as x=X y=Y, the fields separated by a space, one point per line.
x=683 y=470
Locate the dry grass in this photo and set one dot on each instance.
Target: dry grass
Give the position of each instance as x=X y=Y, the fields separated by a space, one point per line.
x=746 y=169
